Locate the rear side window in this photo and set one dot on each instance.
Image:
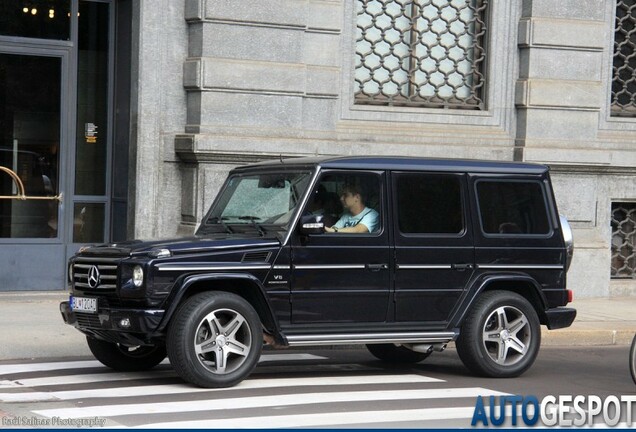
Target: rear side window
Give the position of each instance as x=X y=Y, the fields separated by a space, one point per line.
x=429 y=204
x=512 y=208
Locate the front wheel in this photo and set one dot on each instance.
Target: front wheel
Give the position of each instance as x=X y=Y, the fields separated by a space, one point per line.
x=215 y=339
x=632 y=360
x=501 y=335
x=126 y=359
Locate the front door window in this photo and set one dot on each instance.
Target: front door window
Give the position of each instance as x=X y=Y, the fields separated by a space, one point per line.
x=30 y=144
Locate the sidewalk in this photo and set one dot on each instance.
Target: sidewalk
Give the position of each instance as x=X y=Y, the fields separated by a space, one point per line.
x=31 y=325
x=599 y=321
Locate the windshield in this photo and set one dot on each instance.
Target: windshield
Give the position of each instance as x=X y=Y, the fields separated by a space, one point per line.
x=256 y=201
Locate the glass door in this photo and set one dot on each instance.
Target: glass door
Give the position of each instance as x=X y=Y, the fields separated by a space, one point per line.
x=56 y=98
x=33 y=134
x=30 y=128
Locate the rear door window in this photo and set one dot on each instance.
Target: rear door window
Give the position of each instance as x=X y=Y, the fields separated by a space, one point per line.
x=508 y=207
x=429 y=204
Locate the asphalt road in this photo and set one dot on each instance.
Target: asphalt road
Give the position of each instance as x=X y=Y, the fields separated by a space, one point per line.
x=293 y=388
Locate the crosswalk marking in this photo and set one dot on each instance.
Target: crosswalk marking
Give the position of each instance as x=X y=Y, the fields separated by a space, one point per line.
x=248 y=384
x=41 y=367
x=289 y=357
x=330 y=396
x=85 y=364
x=264 y=401
x=119 y=376
x=327 y=419
x=94 y=378
x=6 y=384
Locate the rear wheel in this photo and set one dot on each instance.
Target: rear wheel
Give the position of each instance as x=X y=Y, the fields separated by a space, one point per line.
x=393 y=353
x=500 y=336
x=126 y=359
x=215 y=339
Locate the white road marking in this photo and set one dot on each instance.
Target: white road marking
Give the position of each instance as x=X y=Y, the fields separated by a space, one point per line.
x=39 y=367
x=84 y=364
x=264 y=401
x=326 y=419
x=245 y=385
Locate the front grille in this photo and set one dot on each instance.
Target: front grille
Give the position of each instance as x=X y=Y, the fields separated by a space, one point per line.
x=106 y=288
x=87 y=320
x=106 y=278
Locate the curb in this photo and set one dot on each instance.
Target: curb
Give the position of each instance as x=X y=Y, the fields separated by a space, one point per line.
x=576 y=337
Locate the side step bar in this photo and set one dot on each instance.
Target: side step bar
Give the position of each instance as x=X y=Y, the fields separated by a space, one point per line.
x=370 y=338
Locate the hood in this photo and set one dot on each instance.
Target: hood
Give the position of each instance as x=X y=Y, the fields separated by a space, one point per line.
x=181 y=245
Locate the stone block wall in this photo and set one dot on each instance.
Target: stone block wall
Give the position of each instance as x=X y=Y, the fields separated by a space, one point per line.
x=224 y=83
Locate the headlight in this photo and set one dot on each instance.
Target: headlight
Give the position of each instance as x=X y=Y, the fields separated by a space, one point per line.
x=70 y=273
x=138 y=276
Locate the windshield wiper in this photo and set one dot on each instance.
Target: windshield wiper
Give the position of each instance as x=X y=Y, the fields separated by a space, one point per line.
x=219 y=220
x=253 y=219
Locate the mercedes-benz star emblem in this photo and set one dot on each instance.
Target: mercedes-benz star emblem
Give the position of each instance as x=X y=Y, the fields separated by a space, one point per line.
x=93 y=277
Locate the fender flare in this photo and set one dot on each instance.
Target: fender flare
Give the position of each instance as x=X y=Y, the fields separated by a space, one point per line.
x=482 y=283
x=183 y=286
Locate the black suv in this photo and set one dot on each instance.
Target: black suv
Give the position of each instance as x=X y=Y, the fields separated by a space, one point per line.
x=446 y=250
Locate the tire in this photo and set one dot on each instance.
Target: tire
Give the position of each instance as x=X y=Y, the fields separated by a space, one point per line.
x=126 y=359
x=632 y=360
x=396 y=353
x=501 y=335
x=214 y=326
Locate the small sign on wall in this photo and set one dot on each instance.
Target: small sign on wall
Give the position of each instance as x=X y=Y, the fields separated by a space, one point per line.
x=90 y=132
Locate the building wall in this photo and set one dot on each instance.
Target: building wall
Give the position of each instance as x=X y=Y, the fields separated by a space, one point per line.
x=223 y=83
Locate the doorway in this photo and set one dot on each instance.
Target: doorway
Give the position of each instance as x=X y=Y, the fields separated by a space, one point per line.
x=56 y=87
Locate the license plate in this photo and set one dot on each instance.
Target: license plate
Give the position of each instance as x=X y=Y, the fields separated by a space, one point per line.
x=84 y=304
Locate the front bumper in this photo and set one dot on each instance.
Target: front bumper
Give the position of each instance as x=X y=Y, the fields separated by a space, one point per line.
x=560 y=317
x=118 y=325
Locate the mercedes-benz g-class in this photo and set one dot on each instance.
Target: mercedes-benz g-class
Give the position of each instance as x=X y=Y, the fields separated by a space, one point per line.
x=400 y=254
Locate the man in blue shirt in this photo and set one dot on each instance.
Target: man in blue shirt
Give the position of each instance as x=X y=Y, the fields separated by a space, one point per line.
x=357 y=218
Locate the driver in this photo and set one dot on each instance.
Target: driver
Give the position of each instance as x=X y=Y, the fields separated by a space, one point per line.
x=357 y=218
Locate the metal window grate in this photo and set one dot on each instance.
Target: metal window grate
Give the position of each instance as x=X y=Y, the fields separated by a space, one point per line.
x=623 y=240
x=624 y=63
x=426 y=53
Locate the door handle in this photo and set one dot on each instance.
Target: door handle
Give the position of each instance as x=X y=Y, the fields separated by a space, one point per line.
x=462 y=267
x=377 y=267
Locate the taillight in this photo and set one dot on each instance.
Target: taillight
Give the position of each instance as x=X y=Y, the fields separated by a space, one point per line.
x=568 y=239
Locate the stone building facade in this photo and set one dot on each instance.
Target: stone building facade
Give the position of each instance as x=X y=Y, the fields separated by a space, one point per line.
x=223 y=83
x=219 y=83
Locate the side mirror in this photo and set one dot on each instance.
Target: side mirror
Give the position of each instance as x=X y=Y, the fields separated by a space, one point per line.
x=311 y=224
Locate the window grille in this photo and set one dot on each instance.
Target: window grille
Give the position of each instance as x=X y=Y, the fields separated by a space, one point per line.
x=427 y=53
x=623 y=240
x=624 y=64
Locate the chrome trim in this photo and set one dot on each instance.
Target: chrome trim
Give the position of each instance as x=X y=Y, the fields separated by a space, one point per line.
x=331 y=267
x=424 y=267
x=102 y=267
x=99 y=287
x=521 y=266
x=343 y=339
x=181 y=267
